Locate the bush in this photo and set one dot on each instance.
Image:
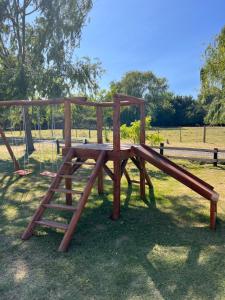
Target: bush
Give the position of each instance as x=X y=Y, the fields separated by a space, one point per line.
x=132 y=132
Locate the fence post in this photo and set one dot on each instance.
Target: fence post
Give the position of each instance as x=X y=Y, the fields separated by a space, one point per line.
x=204 y=134
x=180 y=136
x=89 y=133
x=215 y=157
x=57 y=147
x=161 y=148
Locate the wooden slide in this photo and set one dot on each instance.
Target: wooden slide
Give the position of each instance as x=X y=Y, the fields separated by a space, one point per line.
x=193 y=182
x=172 y=169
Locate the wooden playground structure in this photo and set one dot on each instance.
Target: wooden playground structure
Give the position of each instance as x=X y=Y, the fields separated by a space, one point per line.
x=75 y=156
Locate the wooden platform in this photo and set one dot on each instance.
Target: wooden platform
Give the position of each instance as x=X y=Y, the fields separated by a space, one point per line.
x=92 y=150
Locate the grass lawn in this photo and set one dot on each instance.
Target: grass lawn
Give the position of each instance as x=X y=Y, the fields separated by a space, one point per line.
x=161 y=249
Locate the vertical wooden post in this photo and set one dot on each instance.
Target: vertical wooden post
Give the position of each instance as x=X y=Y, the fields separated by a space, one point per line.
x=142 y=141
x=67 y=132
x=213 y=213
x=99 y=116
x=180 y=136
x=57 y=146
x=215 y=157
x=116 y=159
x=161 y=148
x=204 y=134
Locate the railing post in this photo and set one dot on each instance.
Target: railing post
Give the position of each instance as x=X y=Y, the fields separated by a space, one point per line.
x=57 y=147
x=204 y=134
x=99 y=117
x=67 y=132
x=161 y=149
x=142 y=141
x=215 y=157
x=116 y=159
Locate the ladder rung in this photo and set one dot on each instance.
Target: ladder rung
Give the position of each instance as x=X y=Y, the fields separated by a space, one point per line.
x=74 y=177
x=138 y=182
x=52 y=224
x=60 y=207
x=67 y=191
x=72 y=163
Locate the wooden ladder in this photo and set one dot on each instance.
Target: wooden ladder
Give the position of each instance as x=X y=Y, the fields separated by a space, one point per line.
x=63 y=173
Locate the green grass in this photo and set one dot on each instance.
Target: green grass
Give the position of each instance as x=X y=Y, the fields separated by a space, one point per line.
x=161 y=249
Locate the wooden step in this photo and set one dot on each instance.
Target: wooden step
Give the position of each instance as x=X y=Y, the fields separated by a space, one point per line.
x=52 y=224
x=138 y=182
x=67 y=191
x=60 y=207
x=74 y=177
x=72 y=163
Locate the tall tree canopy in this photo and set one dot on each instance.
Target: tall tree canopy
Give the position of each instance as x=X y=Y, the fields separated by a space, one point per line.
x=144 y=85
x=213 y=80
x=37 y=43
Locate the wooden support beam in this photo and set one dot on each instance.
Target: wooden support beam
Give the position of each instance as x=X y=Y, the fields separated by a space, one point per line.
x=99 y=117
x=142 y=141
x=67 y=133
x=5 y=140
x=108 y=171
x=213 y=214
x=126 y=174
x=116 y=161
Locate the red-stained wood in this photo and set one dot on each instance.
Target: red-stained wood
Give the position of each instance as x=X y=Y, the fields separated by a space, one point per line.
x=213 y=214
x=99 y=117
x=67 y=134
x=48 y=196
x=117 y=160
x=81 y=204
x=142 y=141
x=5 y=140
x=166 y=166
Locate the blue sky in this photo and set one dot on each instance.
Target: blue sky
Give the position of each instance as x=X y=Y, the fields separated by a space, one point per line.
x=167 y=37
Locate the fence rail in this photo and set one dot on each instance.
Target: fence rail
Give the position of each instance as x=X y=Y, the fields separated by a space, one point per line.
x=214 y=156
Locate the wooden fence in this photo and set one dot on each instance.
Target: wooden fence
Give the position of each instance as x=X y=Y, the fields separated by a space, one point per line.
x=214 y=156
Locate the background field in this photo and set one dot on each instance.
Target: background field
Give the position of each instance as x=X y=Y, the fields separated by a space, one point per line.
x=182 y=137
x=159 y=249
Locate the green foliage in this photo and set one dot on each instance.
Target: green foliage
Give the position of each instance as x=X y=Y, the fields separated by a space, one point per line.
x=37 y=44
x=144 y=85
x=132 y=132
x=213 y=80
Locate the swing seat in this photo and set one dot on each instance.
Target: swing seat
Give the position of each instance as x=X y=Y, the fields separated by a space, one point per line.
x=48 y=174
x=22 y=172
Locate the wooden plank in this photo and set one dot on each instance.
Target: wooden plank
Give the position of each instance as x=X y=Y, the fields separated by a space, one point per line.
x=131 y=99
x=67 y=133
x=60 y=207
x=213 y=213
x=48 y=197
x=66 y=191
x=186 y=149
x=108 y=171
x=176 y=172
x=82 y=202
x=52 y=224
x=116 y=161
x=99 y=117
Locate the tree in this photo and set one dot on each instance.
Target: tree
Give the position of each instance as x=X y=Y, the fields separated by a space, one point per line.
x=37 y=43
x=212 y=93
x=144 y=85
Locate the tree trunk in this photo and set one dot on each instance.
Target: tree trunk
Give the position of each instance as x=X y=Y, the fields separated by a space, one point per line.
x=28 y=134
